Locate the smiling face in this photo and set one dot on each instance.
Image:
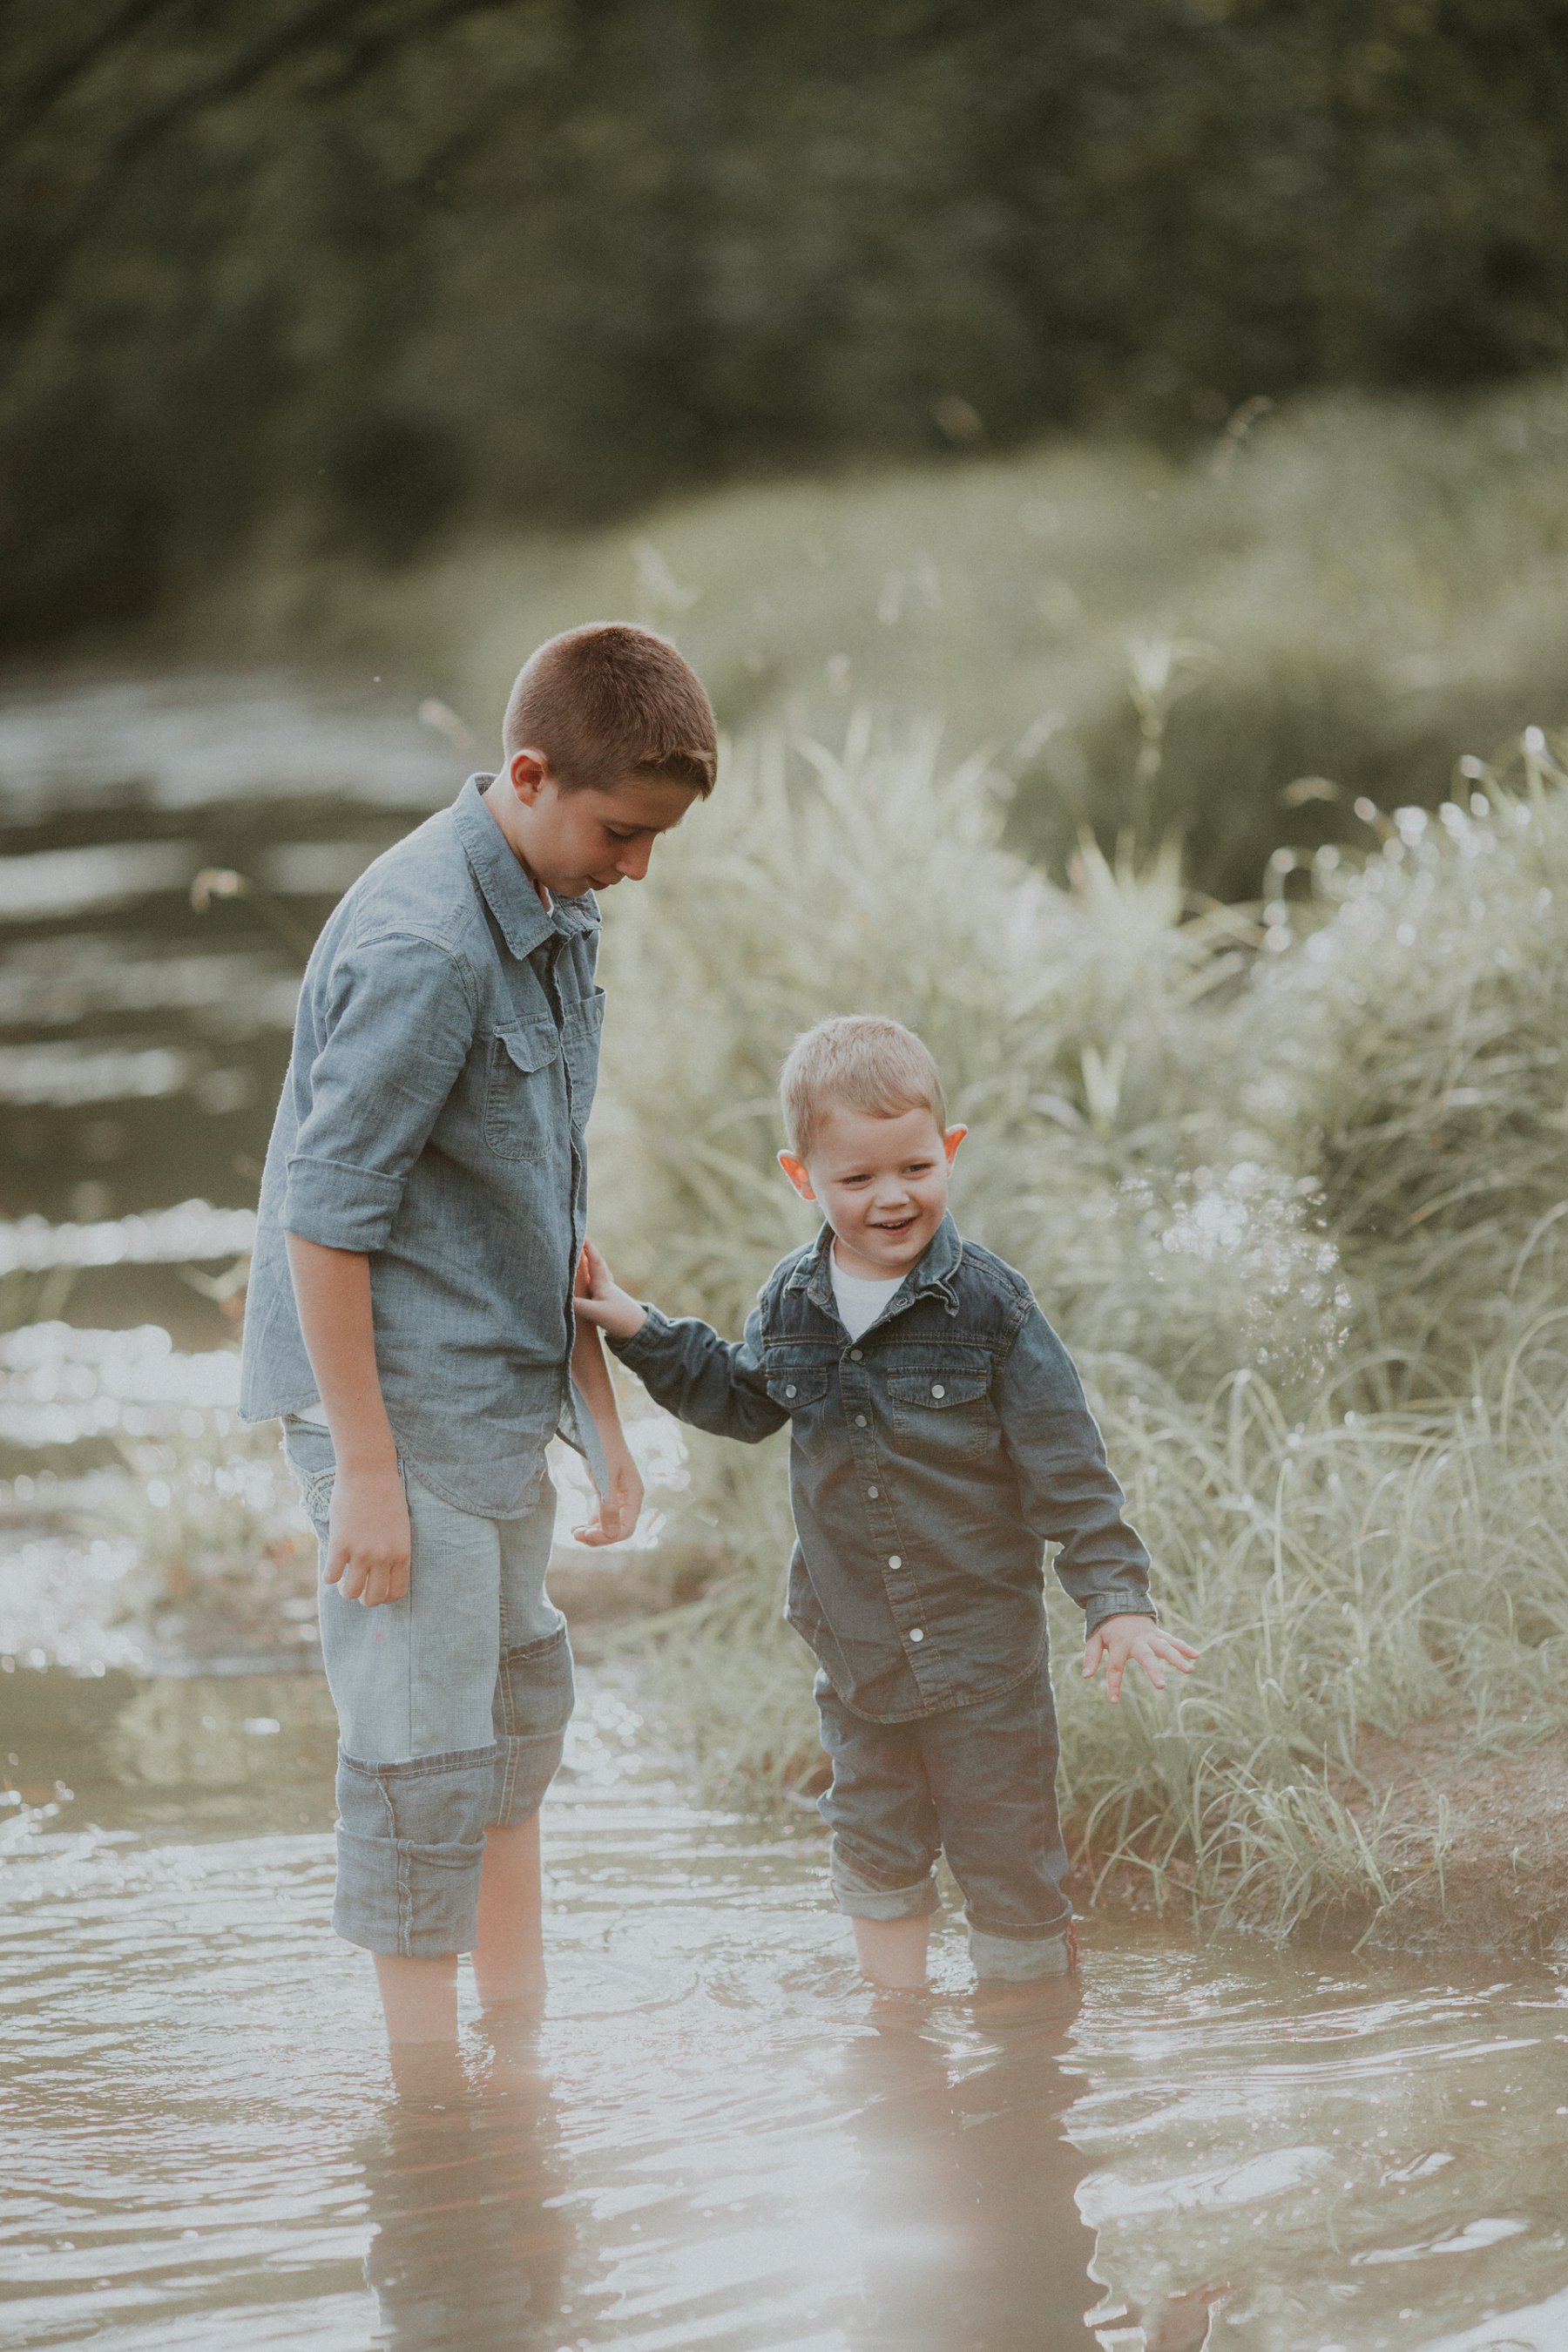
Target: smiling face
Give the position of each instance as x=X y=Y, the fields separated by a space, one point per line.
x=574 y=841
x=881 y=1183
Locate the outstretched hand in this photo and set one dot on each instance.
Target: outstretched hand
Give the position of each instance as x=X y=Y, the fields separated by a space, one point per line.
x=1127 y=1639
x=599 y=1298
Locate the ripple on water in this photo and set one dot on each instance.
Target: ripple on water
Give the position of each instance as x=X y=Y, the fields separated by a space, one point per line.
x=716 y=2138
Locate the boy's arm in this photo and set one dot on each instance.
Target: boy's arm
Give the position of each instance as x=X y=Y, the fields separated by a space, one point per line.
x=622 y=1500
x=397 y=1028
x=367 y=1538
x=1070 y=1498
x=716 y=1384
x=1066 y=1486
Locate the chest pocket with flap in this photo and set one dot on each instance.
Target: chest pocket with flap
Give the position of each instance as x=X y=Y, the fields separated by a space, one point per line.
x=941 y=1414
x=796 y=1387
x=525 y=1099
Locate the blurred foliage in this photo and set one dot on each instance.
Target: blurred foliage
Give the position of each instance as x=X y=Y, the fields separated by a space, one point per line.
x=367 y=270
x=1228 y=647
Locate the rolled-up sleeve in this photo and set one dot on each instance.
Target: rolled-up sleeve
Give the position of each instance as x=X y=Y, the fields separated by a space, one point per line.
x=394 y=1025
x=1067 y=1492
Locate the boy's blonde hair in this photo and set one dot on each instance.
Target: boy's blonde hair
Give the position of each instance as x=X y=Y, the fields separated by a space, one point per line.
x=862 y=1060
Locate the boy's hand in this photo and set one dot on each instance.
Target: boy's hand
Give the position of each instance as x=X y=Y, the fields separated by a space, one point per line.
x=618 y=1509
x=367 y=1537
x=600 y=1300
x=1121 y=1641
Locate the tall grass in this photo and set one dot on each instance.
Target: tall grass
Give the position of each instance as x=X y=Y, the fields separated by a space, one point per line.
x=1290 y=1187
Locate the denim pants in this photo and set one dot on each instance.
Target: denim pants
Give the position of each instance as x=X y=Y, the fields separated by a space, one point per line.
x=978 y=1783
x=452 y=1704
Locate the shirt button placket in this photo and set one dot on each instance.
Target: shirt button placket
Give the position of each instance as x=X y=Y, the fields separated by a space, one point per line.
x=856 y=1391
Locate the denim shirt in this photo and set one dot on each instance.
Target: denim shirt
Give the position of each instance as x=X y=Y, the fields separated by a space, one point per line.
x=445 y=1056
x=930 y=1462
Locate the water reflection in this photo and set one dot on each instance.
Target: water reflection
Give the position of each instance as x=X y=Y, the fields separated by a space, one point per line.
x=720 y=2139
x=465 y=2193
x=968 y=2224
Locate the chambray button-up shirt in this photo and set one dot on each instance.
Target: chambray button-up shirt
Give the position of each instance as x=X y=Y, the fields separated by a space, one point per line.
x=930 y=1462
x=445 y=1056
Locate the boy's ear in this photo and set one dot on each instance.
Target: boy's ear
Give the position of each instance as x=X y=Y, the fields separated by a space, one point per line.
x=799 y=1174
x=952 y=1139
x=529 y=771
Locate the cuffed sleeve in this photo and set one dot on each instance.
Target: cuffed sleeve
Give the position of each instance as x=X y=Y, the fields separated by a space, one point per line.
x=395 y=1028
x=716 y=1384
x=1066 y=1492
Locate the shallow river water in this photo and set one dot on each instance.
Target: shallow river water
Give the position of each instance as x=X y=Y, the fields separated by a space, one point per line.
x=716 y=2137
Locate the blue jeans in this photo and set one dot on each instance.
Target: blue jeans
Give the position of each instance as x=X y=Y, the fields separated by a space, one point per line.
x=977 y=1783
x=452 y=1705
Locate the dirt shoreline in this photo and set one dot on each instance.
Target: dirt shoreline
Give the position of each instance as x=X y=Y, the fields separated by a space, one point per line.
x=1480 y=1846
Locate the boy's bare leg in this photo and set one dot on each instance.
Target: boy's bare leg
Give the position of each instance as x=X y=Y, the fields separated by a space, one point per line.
x=892 y=1952
x=509 y=1958
x=419 y=1997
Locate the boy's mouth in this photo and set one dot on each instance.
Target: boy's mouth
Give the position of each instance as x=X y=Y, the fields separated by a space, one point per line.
x=895 y=1224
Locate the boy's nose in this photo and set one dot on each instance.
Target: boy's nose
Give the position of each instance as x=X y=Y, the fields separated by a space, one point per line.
x=633 y=863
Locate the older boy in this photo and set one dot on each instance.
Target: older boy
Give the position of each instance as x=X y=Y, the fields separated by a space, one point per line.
x=939 y=1439
x=410 y=1314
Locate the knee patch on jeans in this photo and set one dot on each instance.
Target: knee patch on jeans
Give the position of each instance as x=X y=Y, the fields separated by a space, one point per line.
x=534 y=1697
x=411 y=1840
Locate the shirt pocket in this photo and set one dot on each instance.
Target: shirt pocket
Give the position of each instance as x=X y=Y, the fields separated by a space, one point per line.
x=941 y=1415
x=580 y=1025
x=523 y=1105
x=798 y=1388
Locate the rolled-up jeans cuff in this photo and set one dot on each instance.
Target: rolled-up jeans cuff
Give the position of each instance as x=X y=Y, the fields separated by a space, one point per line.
x=411 y=1843
x=1020 y=1959
x=860 y=1899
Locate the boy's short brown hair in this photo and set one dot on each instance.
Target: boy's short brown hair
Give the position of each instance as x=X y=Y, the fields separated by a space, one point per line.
x=863 y=1059
x=610 y=701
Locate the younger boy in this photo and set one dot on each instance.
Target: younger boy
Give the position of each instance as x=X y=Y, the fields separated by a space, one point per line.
x=410 y=1314
x=939 y=1439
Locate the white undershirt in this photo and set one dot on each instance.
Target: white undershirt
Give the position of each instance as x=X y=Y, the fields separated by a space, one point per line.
x=859 y=1303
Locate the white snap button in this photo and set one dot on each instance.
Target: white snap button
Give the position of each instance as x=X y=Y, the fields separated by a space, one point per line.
x=894 y=1560
x=918 y=1633
x=790 y=1390
x=872 y=1492
x=856 y=1354
x=860 y=1421
x=937 y=1388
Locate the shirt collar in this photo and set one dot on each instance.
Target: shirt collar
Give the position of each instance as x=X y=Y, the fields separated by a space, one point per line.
x=508 y=891
x=932 y=1276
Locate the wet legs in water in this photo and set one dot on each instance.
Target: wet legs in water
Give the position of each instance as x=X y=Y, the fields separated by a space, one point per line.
x=420 y=1996
x=465 y=2178
x=892 y=1952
